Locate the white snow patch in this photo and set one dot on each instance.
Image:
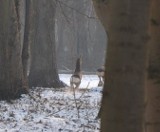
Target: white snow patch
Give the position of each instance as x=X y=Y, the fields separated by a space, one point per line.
x=54 y=110
x=92 y=80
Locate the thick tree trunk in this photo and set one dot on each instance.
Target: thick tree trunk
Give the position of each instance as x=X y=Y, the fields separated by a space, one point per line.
x=11 y=71
x=153 y=82
x=43 y=70
x=123 y=95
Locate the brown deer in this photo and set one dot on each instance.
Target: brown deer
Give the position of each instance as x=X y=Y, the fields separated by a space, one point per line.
x=100 y=74
x=76 y=78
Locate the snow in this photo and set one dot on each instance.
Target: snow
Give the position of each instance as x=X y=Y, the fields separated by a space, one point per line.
x=54 y=110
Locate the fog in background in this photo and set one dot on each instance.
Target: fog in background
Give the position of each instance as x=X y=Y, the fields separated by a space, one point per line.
x=78 y=32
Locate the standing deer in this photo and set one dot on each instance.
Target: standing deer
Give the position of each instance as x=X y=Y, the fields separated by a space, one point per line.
x=76 y=78
x=100 y=73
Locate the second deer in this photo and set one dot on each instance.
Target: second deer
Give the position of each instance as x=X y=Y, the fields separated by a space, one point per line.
x=100 y=74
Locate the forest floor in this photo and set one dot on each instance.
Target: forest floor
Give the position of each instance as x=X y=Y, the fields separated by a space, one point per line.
x=54 y=110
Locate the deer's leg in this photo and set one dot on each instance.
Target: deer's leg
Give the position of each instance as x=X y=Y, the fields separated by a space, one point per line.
x=77 y=85
x=100 y=78
x=100 y=81
x=71 y=84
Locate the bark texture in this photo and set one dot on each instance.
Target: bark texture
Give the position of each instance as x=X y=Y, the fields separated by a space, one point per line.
x=153 y=82
x=27 y=37
x=126 y=23
x=11 y=69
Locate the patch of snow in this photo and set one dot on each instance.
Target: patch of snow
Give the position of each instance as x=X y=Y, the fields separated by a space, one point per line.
x=52 y=110
x=91 y=80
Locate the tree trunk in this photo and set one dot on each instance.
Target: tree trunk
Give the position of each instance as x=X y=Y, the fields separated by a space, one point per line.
x=11 y=71
x=24 y=19
x=43 y=70
x=153 y=82
x=27 y=37
x=123 y=95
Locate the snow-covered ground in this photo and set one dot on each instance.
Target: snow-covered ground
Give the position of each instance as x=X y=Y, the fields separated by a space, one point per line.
x=54 y=110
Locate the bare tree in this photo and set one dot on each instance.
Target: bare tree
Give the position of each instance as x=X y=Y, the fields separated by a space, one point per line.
x=123 y=97
x=43 y=71
x=11 y=69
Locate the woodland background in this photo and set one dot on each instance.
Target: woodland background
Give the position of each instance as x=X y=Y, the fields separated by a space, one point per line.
x=30 y=54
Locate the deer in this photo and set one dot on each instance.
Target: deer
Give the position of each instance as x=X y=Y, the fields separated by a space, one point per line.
x=100 y=73
x=76 y=77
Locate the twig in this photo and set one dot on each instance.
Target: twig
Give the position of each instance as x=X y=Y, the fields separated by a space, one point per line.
x=57 y=111
x=64 y=14
x=76 y=10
